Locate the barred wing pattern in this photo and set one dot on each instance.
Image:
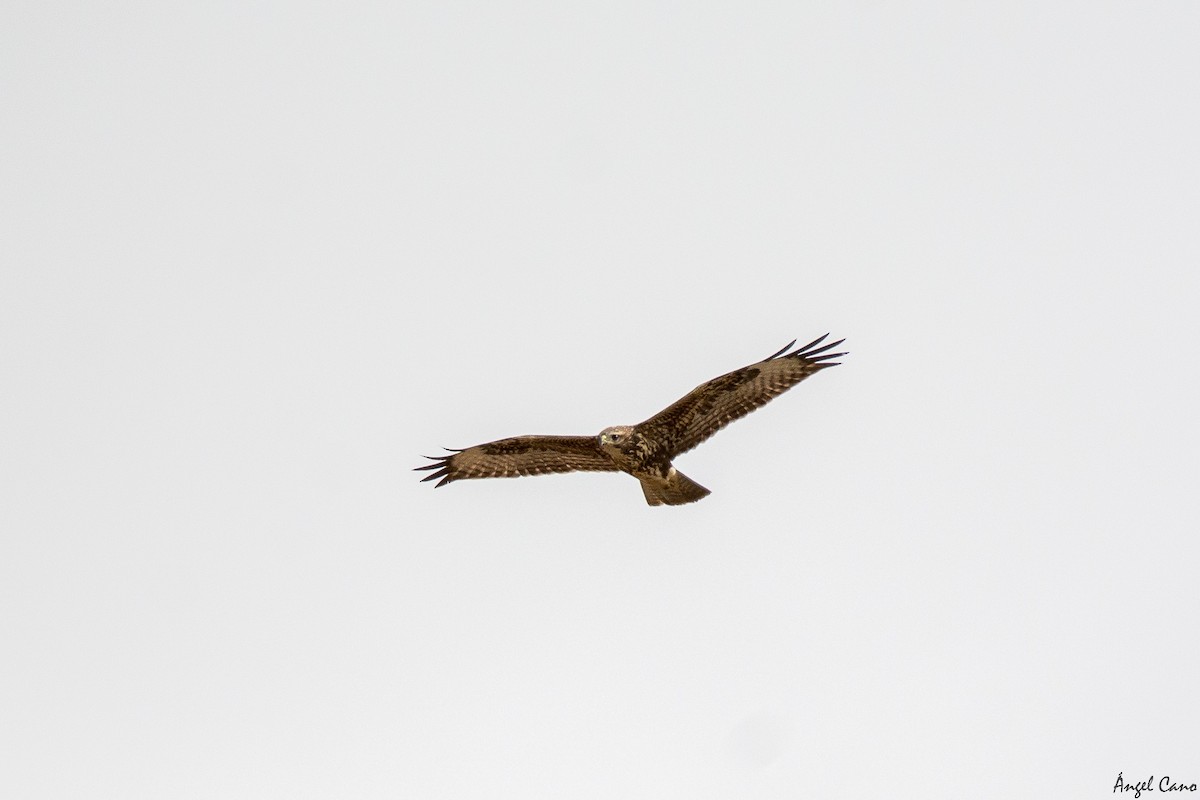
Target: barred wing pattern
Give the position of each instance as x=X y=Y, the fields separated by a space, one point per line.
x=711 y=406
x=520 y=455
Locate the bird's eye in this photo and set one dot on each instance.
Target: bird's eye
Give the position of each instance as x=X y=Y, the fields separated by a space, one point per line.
x=616 y=437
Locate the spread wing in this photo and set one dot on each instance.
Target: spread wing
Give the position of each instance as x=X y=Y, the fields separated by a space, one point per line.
x=713 y=405
x=520 y=455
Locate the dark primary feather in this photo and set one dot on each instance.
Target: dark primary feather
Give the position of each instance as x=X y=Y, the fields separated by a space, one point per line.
x=713 y=405
x=520 y=455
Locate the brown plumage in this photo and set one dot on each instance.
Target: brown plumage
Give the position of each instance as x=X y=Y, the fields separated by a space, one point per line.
x=646 y=450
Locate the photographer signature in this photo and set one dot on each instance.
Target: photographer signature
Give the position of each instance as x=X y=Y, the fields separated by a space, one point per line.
x=1165 y=784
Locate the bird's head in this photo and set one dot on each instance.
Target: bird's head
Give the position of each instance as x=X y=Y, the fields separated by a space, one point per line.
x=618 y=437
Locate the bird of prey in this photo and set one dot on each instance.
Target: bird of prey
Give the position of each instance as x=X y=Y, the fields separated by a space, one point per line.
x=645 y=450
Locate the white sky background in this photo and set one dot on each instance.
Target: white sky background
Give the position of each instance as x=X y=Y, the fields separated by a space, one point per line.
x=259 y=257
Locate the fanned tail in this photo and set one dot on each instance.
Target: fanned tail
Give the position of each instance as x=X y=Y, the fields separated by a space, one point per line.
x=675 y=490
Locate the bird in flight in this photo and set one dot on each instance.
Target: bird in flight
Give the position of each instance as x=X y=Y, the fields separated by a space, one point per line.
x=645 y=450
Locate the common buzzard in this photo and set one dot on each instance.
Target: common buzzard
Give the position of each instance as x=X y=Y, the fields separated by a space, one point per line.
x=645 y=450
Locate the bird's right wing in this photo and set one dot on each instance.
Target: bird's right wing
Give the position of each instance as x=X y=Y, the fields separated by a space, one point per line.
x=520 y=455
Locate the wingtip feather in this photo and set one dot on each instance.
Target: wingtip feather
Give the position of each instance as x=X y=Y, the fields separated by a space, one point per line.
x=810 y=345
x=781 y=351
x=812 y=353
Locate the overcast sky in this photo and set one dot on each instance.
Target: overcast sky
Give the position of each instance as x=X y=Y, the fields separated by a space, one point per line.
x=258 y=257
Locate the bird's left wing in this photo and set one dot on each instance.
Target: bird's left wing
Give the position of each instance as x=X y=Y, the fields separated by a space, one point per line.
x=520 y=455
x=713 y=405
